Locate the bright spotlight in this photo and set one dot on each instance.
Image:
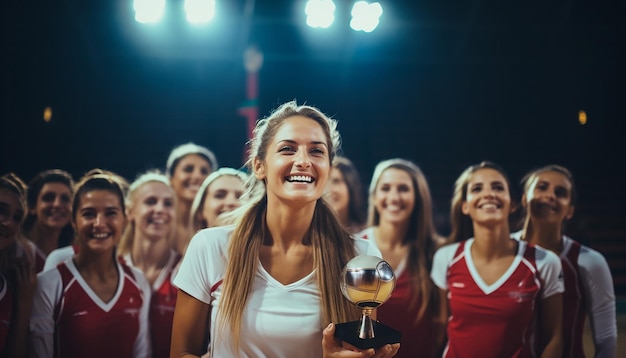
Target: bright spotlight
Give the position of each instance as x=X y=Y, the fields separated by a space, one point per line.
x=365 y=16
x=199 y=11
x=148 y=11
x=320 y=13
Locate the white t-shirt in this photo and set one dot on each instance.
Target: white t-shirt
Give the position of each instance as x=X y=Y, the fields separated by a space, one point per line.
x=58 y=256
x=279 y=321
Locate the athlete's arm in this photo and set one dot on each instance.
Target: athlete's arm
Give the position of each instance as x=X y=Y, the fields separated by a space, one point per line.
x=552 y=321
x=188 y=328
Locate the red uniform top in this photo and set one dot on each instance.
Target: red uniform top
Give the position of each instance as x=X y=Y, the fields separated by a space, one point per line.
x=495 y=320
x=400 y=313
x=162 y=306
x=70 y=320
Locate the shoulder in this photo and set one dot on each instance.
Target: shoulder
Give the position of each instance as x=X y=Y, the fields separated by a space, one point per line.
x=542 y=256
x=446 y=253
x=590 y=259
x=516 y=235
x=366 y=247
x=58 y=256
x=367 y=233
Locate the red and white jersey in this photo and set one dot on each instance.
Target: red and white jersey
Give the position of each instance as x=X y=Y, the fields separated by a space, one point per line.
x=6 y=308
x=70 y=320
x=588 y=292
x=400 y=312
x=495 y=320
x=162 y=305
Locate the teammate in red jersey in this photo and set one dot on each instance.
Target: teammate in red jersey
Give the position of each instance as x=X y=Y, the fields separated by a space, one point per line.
x=493 y=282
x=401 y=224
x=93 y=305
x=17 y=275
x=147 y=245
x=548 y=199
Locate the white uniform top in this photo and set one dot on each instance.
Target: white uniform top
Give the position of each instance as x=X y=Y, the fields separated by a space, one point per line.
x=597 y=282
x=279 y=321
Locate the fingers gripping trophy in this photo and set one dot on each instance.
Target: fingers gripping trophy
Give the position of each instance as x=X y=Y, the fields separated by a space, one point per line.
x=368 y=282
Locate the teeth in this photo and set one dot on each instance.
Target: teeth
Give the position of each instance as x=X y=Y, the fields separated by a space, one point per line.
x=101 y=236
x=194 y=187
x=489 y=206
x=158 y=221
x=300 y=178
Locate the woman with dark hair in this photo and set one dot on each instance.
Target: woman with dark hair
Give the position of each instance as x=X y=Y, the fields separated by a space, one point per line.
x=271 y=282
x=93 y=305
x=187 y=167
x=344 y=194
x=48 y=223
x=493 y=283
x=17 y=276
x=548 y=201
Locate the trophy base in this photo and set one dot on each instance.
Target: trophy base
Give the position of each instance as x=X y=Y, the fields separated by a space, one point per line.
x=349 y=333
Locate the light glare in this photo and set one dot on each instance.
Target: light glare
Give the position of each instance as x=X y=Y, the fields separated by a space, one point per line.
x=320 y=13
x=199 y=11
x=365 y=16
x=148 y=11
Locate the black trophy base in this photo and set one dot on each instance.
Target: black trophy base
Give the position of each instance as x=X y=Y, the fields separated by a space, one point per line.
x=349 y=332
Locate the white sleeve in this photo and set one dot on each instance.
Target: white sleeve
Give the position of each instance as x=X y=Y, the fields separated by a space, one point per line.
x=550 y=272
x=442 y=259
x=598 y=287
x=204 y=262
x=57 y=256
x=143 y=346
x=42 y=320
x=366 y=247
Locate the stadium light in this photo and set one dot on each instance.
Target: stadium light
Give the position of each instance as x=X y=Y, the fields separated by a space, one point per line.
x=199 y=11
x=365 y=16
x=320 y=13
x=148 y=11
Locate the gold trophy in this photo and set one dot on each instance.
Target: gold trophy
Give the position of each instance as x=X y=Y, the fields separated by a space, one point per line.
x=367 y=281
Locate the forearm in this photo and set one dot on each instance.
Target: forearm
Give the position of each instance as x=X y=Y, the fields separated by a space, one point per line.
x=553 y=349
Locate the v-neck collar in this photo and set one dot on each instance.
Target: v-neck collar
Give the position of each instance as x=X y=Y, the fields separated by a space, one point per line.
x=488 y=289
x=274 y=282
x=105 y=306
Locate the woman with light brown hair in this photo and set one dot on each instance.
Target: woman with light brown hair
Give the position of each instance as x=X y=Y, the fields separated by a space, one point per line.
x=400 y=222
x=271 y=282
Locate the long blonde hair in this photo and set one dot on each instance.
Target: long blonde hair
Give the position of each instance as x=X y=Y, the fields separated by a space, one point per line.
x=421 y=236
x=332 y=245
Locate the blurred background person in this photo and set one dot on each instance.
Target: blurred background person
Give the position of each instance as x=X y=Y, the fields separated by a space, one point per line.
x=93 y=305
x=48 y=222
x=549 y=201
x=400 y=222
x=187 y=167
x=219 y=193
x=146 y=244
x=344 y=194
x=17 y=275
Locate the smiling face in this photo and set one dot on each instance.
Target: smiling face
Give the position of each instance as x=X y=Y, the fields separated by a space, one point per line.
x=152 y=210
x=11 y=214
x=99 y=221
x=549 y=197
x=222 y=196
x=188 y=175
x=53 y=208
x=488 y=199
x=297 y=164
x=394 y=196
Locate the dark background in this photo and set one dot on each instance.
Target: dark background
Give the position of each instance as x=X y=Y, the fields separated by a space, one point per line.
x=444 y=83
